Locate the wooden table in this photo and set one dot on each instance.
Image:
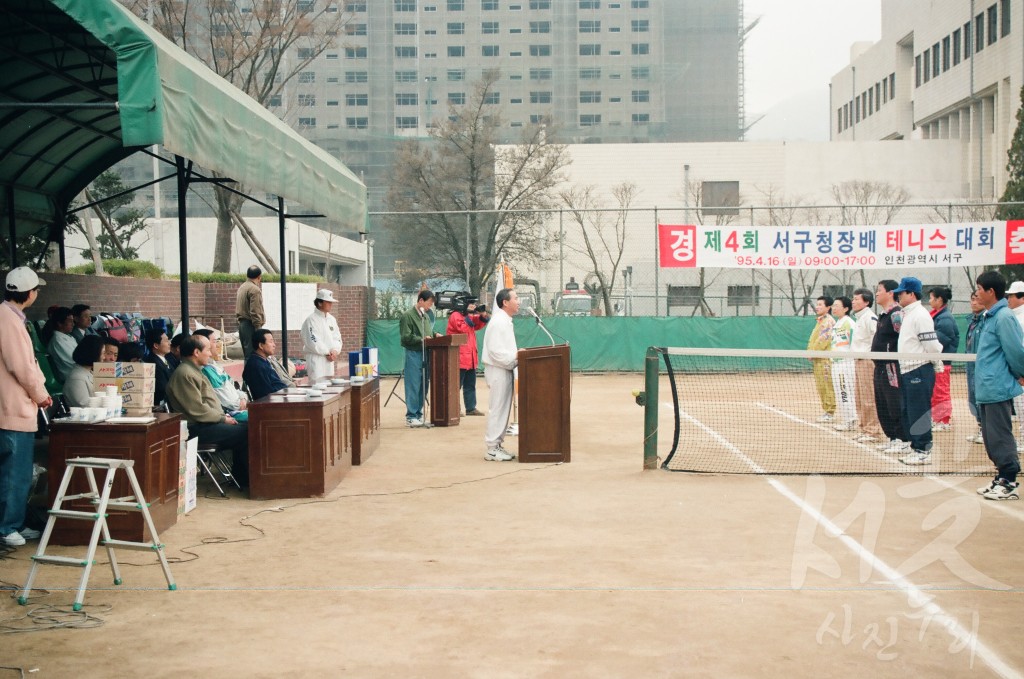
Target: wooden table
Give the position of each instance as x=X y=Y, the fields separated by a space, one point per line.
x=300 y=447
x=155 y=448
x=365 y=419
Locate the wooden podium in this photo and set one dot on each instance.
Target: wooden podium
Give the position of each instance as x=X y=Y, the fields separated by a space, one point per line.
x=443 y=355
x=544 y=394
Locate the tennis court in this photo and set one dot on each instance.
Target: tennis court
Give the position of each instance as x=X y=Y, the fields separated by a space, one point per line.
x=430 y=562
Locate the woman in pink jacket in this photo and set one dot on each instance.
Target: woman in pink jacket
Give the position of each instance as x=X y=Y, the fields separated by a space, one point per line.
x=22 y=393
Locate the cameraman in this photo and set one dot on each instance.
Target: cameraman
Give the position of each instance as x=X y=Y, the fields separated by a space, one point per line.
x=466 y=319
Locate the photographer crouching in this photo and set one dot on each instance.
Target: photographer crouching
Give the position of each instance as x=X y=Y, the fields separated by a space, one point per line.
x=465 y=319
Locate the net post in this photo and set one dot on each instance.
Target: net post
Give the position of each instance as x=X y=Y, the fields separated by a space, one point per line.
x=651 y=409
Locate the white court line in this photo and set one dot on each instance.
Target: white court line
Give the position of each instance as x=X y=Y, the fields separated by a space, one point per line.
x=948 y=622
x=999 y=506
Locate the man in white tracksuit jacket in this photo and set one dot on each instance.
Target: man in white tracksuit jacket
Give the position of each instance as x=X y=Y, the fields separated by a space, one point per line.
x=321 y=338
x=500 y=360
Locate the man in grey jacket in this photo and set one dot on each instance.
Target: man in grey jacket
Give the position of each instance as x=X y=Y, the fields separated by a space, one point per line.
x=998 y=370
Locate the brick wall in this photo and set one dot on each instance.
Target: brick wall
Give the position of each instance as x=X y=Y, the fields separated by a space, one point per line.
x=207 y=301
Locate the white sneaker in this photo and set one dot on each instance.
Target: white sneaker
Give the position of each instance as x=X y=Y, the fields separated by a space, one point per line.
x=897 y=446
x=941 y=426
x=29 y=533
x=976 y=438
x=414 y=422
x=843 y=426
x=917 y=457
x=14 y=539
x=497 y=455
x=513 y=429
x=990 y=486
x=866 y=438
x=825 y=417
x=1002 y=490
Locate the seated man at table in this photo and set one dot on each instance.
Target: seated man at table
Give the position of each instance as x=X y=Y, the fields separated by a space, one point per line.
x=190 y=393
x=262 y=374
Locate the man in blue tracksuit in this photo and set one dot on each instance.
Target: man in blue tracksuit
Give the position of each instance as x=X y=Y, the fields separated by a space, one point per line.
x=998 y=369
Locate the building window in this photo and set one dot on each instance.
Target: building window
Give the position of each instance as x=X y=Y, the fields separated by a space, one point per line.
x=641 y=48
x=275 y=100
x=540 y=74
x=720 y=198
x=945 y=54
x=456 y=74
x=404 y=29
x=540 y=50
x=489 y=28
x=892 y=85
x=492 y=98
x=405 y=5
x=355 y=52
x=878 y=96
x=1004 y=16
x=405 y=52
x=640 y=4
x=406 y=99
x=357 y=123
x=489 y=5
x=540 y=4
x=540 y=97
x=355 y=29
x=926 y=65
x=356 y=76
x=456 y=28
x=856 y=109
x=956 y=47
x=406 y=122
x=967 y=40
x=456 y=5
x=307 y=122
x=356 y=99
x=457 y=98
x=490 y=50
x=406 y=76
x=936 y=64
x=979 y=32
x=641 y=73
x=307 y=52
x=332 y=57
x=744 y=295
x=355 y=6
x=590 y=74
x=993 y=24
x=307 y=100
x=590 y=27
x=590 y=96
x=456 y=51
x=590 y=50
x=641 y=96
x=536 y=119
x=641 y=26
x=332 y=102
x=307 y=77
x=641 y=118
x=590 y=4
x=590 y=119
x=540 y=27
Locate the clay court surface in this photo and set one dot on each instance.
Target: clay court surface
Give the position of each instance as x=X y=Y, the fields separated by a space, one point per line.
x=428 y=561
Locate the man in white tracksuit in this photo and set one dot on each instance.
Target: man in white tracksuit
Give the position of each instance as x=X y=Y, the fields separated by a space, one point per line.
x=321 y=338
x=500 y=360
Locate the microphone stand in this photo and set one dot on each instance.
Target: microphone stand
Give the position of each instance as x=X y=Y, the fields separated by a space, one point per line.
x=541 y=325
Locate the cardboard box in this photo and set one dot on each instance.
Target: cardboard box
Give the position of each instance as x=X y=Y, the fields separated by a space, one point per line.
x=121 y=369
x=187 y=472
x=133 y=400
x=126 y=385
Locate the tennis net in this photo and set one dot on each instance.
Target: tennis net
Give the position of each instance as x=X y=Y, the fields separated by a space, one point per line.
x=739 y=411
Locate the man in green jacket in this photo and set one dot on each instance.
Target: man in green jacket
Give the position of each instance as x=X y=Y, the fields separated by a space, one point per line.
x=414 y=326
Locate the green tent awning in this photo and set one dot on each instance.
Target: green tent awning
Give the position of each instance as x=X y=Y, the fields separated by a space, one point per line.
x=85 y=83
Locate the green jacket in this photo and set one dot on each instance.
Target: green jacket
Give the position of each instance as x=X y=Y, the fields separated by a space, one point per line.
x=413 y=328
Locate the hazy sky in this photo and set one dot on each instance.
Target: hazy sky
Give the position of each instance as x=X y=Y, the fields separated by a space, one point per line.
x=794 y=51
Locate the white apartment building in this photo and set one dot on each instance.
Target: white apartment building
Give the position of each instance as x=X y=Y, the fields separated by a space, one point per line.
x=943 y=69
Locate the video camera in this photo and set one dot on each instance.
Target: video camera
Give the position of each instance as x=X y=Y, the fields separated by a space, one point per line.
x=456 y=301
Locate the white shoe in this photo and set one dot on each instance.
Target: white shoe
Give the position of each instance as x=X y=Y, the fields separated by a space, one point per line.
x=498 y=455
x=990 y=486
x=513 y=429
x=896 y=446
x=976 y=438
x=866 y=438
x=917 y=457
x=414 y=422
x=941 y=426
x=1002 y=490
x=29 y=533
x=14 y=539
x=825 y=417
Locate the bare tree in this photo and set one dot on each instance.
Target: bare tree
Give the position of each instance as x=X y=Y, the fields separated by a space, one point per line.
x=472 y=202
x=797 y=285
x=603 y=233
x=257 y=45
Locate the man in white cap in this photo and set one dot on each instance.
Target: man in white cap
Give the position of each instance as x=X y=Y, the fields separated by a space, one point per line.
x=24 y=391
x=321 y=338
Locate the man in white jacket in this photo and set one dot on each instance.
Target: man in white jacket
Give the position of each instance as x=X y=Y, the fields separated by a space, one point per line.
x=321 y=338
x=499 y=357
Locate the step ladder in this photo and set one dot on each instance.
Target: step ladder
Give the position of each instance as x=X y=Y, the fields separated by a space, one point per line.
x=102 y=501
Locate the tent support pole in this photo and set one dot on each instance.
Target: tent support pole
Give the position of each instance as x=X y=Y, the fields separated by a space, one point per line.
x=12 y=230
x=182 y=179
x=284 y=278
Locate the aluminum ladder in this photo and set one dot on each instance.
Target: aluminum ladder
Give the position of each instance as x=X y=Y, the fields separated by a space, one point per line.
x=102 y=501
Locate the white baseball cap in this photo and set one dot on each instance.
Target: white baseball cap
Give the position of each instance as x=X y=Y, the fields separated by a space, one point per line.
x=23 y=279
x=325 y=295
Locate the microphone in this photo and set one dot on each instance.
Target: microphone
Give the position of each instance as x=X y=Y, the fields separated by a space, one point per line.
x=541 y=324
x=533 y=313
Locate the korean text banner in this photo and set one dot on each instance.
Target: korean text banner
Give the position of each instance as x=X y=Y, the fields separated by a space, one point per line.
x=841 y=247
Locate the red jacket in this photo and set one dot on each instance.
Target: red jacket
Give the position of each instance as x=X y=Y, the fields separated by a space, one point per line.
x=458 y=324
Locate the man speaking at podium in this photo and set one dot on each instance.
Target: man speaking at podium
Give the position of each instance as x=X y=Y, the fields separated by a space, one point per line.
x=499 y=359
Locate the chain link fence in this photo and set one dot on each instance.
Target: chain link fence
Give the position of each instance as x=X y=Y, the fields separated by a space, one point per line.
x=605 y=262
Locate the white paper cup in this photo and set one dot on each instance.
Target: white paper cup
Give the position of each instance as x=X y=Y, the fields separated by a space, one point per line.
x=96 y=401
x=76 y=412
x=94 y=414
x=314 y=393
x=111 y=390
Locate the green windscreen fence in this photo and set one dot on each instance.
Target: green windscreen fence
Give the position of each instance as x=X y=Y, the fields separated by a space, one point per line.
x=618 y=344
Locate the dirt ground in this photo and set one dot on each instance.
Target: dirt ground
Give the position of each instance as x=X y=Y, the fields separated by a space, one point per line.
x=429 y=561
